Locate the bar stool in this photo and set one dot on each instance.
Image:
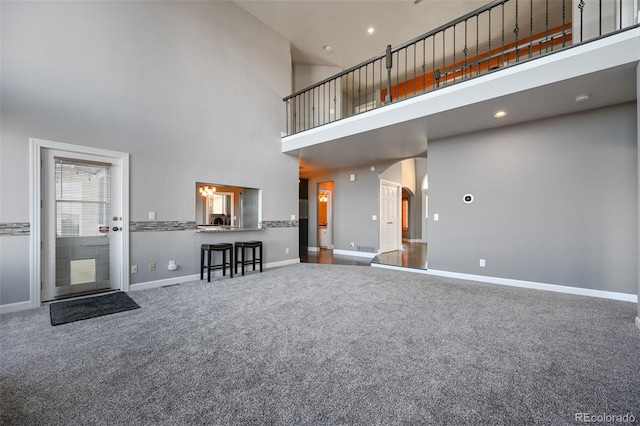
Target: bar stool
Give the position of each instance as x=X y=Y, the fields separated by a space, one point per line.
x=210 y=248
x=240 y=259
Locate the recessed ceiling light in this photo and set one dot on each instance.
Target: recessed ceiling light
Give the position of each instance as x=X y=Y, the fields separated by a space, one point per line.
x=327 y=49
x=500 y=114
x=582 y=98
x=371 y=30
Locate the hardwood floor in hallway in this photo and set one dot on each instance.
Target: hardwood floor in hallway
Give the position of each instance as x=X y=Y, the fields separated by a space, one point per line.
x=413 y=255
x=327 y=256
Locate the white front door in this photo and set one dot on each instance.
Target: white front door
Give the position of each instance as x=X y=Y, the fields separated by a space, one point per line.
x=82 y=224
x=389 y=216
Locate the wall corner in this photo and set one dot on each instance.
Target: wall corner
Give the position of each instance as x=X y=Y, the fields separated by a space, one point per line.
x=638 y=165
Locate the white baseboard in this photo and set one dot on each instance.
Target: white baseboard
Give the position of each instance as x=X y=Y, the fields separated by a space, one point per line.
x=400 y=268
x=346 y=252
x=281 y=263
x=188 y=278
x=625 y=297
x=161 y=283
x=15 y=307
x=355 y=253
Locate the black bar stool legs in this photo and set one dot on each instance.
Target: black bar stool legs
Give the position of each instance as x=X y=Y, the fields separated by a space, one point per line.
x=209 y=249
x=236 y=255
x=240 y=249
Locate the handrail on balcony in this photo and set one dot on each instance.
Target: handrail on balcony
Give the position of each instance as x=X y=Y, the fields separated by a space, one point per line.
x=496 y=35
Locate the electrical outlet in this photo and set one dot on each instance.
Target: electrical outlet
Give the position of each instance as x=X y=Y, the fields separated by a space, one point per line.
x=286 y=250
x=353 y=244
x=152 y=215
x=152 y=266
x=134 y=269
x=482 y=263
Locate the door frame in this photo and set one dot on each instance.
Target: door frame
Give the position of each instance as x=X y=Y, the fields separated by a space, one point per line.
x=329 y=217
x=35 y=182
x=398 y=213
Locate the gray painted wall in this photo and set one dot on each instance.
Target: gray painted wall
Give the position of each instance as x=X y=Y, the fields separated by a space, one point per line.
x=192 y=90
x=393 y=173
x=354 y=203
x=308 y=75
x=416 y=170
x=421 y=220
x=555 y=201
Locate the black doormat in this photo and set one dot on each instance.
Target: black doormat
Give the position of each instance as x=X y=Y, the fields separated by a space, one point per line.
x=90 y=307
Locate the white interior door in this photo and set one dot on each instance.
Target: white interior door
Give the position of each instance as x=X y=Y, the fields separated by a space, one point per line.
x=82 y=224
x=389 y=216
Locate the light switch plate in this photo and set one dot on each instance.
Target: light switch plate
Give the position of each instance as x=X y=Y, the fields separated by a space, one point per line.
x=374 y=217
x=436 y=216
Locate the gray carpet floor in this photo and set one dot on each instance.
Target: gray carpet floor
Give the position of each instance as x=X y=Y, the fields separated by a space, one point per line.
x=325 y=345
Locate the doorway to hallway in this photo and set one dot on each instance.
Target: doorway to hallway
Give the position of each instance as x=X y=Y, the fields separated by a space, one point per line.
x=325 y=215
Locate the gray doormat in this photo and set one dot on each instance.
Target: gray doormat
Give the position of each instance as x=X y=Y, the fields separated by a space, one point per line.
x=90 y=307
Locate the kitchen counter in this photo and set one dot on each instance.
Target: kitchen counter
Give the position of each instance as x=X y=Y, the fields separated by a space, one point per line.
x=213 y=228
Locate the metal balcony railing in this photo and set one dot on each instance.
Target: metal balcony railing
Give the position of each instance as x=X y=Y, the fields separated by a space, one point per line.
x=498 y=35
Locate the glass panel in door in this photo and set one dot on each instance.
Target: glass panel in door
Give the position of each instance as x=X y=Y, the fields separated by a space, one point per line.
x=82 y=210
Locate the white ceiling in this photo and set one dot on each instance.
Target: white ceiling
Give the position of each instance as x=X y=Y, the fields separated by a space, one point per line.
x=313 y=24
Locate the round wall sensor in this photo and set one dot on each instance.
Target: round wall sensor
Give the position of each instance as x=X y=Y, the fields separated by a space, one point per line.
x=468 y=198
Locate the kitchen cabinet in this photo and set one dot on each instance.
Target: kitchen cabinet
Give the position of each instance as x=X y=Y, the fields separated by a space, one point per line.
x=323 y=237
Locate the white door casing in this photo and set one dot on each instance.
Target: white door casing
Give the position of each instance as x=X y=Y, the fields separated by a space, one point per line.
x=119 y=256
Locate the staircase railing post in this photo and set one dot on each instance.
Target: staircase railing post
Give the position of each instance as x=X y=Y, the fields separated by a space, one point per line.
x=389 y=66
